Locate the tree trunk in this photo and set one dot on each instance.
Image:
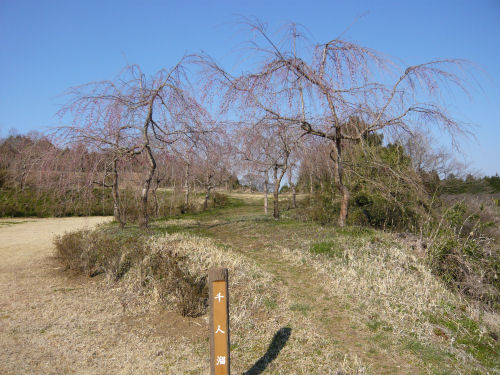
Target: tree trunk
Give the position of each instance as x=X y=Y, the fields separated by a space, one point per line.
x=144 y=222
x=23 y=177
x=207 y=197
x=174 y=191
x=276 y=211
x=266 y=183
x=186 y=185
x=311 y=186
x=339 y=184
x=208 y=187
x=156 y=185
x=292 y=188
x=344 y=205
x=115 y=192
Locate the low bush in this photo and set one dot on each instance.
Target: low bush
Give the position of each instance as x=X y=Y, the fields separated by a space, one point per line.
x=115 y=252
x=15 y=202
x=219 y=200
x=186 y=208
x=378 y=212
x=319 y=208
x=104 y=250
x=166 y=271
x=364 y=210
x=463 y=256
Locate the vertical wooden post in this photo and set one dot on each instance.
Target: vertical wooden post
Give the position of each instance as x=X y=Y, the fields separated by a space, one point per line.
x=219 y=321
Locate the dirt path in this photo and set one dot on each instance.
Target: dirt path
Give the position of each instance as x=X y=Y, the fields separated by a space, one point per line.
x=55 y=323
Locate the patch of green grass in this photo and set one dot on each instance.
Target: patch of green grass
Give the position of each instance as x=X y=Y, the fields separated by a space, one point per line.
x=382 y=340
x=374 y=324
x=468 y=336
x=372 y=351
x=15 y=222
x=171 y=229
x=302 y=308
x=427 y=353
x=270 y=304
x=329 y=248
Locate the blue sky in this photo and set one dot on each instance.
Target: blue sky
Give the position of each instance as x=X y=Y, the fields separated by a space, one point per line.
x=49 y=46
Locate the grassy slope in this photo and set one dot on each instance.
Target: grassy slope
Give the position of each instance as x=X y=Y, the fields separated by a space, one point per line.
x=352 y=299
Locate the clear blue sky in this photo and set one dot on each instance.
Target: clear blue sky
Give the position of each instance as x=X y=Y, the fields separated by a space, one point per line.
x=48 y=46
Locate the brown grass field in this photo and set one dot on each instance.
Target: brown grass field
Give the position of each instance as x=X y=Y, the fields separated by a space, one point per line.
x=305 y=299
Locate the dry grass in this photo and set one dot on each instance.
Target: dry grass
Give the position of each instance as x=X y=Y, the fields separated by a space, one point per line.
x=305 y=299
x=383 y=283
x=389 y=288
x=261 y=308
x=258 y=312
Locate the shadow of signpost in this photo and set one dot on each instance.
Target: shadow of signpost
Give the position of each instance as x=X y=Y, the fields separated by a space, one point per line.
x=279 y=341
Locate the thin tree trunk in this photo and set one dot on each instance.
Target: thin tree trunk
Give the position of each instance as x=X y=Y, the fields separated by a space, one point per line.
x=186 y=185
x=344 y=205
x=339 y=184
x=266 y=188
x=276 y=211
x=156 y=185
x=174 y=195
x=146 y=186
x=115 y=192
x=207 y=197
x=208 y=187
x=311 y=187
x=292 y=188
x=23 y=177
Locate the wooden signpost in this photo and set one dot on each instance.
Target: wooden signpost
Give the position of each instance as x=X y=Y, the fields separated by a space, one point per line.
x=219 y=321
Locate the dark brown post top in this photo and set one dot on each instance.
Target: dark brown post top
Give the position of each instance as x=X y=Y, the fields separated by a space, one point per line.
x=217 y=274
x=219 y=321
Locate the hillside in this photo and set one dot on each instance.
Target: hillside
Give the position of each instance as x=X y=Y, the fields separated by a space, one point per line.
x=305 y=299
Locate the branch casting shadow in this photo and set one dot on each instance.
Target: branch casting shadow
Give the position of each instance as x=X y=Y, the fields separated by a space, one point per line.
x=279 y=341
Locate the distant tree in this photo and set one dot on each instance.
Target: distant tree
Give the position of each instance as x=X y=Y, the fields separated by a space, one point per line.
x=211 y=162
x=267 y=147
x=494 y=182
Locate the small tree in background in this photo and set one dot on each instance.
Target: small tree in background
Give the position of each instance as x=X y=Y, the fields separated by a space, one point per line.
x=268 y=147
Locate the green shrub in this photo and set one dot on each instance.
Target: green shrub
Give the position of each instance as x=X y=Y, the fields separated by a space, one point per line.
x=219 y=200
x=319 y=208
x=378 y=212
x=462 y=255
x=358 y=217
x=186 y=208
